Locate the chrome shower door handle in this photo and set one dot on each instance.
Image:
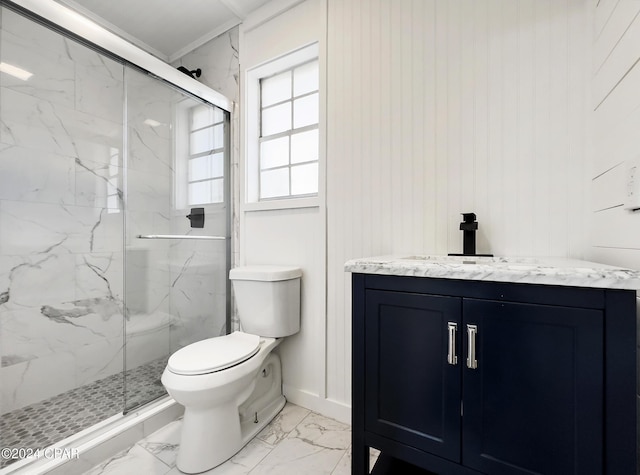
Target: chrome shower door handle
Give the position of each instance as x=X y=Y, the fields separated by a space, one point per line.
x=472 y=331
x=452 y=359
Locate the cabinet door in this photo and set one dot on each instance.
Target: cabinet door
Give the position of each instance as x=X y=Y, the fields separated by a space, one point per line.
x=534 y=404
x=412 y=391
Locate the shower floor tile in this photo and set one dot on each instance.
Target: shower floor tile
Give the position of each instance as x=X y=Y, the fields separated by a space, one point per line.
x=47 y=422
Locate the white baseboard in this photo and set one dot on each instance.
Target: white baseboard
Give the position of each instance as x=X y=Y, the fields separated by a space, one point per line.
x=327 y=407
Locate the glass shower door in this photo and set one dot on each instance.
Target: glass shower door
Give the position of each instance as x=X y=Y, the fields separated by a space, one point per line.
x=175 y=286
x=61 y=235
x=94 y=154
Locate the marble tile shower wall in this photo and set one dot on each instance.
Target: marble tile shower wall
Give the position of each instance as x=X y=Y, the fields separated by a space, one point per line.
x=61 y=247
x=62 y=223
x=220 y=64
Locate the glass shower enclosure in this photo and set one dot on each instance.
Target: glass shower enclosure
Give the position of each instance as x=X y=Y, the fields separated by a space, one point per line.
x=102 y=275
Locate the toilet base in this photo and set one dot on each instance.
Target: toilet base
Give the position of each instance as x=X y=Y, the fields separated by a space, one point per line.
x=202 y=447
x=212 y=436
x=250 y=428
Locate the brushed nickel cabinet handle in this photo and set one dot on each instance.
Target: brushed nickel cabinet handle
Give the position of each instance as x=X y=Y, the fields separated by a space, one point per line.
x=472 y=331
x=452 y=359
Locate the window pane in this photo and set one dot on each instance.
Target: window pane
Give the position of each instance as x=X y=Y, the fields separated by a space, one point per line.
x=217 y=191
x=200 y=193
x=201 y=141
x=210 y=166
x=274 y=153
x=274 y=183
x=306 y=78
x=276 y=119
x=304 y=179
x=201 y=116
x=305 y=111
x=218 y=164
x=304 y=146
x=276 y=88
x=218 y=136
x=218 y=115
x=200 y=168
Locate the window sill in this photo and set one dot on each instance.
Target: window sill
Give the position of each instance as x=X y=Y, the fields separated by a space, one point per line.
x=292 y=203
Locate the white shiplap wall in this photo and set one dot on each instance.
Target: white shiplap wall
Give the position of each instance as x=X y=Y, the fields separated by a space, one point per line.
x=615 y=232
x=291 y=236
x=437 y=107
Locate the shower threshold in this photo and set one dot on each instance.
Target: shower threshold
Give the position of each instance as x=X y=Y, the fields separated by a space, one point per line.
x=49 y=422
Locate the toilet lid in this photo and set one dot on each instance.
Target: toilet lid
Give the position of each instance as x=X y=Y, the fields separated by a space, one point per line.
x=214 y=354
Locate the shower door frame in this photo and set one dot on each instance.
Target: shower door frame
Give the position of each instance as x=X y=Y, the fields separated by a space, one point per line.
x=59 y=17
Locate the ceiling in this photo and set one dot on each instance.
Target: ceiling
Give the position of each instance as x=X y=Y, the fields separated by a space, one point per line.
x=166 y=28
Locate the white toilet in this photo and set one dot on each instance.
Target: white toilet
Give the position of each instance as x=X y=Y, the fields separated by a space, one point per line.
x=231 y=386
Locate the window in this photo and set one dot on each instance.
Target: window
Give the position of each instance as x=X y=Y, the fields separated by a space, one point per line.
x=289 y=115
x=283 y=132
x=205 y=170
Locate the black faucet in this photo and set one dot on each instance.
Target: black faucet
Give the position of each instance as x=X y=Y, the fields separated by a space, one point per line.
x=469 y=226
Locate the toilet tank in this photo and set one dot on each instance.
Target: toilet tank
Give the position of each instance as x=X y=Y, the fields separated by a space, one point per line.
x=268 y=299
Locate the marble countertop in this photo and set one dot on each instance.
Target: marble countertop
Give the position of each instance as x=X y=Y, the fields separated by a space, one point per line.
x=547 y=271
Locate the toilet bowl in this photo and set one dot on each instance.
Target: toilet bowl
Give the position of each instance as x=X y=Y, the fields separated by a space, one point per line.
x=231 y=386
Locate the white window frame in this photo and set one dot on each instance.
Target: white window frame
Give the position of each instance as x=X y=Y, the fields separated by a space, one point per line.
x=192 y=156
x=182 y=130
x=289 y=133
x=252 y=200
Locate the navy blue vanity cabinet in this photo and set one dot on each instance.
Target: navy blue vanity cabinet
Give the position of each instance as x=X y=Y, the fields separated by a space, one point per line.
x=462 y=377
x=534 y=402
x=412 y=394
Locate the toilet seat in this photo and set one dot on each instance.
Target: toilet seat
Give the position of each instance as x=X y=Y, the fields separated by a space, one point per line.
x=214 y=354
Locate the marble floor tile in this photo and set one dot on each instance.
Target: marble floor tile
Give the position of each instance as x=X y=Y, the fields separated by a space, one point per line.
x=134 y=460
x=314 y=446
x=373 y=456
x=296 y=442
x=323 y=432
x=278 y=429
x=344 y=465
x=294 y=456
x=164 y=443
x=242 y=463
